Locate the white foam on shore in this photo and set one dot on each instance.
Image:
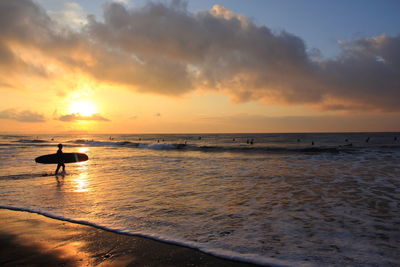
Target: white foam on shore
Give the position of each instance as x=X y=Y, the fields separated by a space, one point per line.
x=229 y=255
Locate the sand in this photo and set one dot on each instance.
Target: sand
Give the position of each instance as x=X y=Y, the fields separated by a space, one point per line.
x=28 y=239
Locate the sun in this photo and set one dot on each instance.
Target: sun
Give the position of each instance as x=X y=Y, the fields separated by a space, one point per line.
x=82 y=107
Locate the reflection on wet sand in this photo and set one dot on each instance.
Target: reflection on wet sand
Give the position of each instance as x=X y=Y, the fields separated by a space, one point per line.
x=28 y=239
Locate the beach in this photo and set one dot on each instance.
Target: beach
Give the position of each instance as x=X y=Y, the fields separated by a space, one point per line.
x=29 y=239
x=278 y=200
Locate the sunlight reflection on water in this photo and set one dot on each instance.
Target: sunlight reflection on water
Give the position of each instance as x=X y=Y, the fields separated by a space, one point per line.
x=83 y=150
x=81 y=181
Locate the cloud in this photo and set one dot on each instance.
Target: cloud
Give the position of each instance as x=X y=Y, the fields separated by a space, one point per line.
x=72 y=15
x=5 y=85
x=78 y=117
x=367 y=72
x=121 y=1
x=23 y=116
x=165 y=49
x=25 y=31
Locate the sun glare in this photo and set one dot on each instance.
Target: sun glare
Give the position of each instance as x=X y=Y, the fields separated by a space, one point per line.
x=82 y=107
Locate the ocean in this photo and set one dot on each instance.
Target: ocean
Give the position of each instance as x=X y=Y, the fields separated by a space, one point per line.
x=323 y=199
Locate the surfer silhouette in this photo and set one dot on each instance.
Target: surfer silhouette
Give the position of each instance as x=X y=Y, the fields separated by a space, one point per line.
x=60 y=159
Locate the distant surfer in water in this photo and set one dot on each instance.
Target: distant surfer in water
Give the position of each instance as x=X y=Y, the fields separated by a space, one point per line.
x=60 y=159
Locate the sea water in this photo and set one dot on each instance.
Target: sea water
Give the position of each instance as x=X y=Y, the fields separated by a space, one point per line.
x=278 y=199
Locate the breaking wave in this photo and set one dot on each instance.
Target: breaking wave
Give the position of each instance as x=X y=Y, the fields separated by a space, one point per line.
x=260 y=148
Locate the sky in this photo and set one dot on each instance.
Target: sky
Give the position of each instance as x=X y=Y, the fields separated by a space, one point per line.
x=136 y=66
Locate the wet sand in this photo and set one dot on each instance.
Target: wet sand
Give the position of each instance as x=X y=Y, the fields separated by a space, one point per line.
x=28 y=239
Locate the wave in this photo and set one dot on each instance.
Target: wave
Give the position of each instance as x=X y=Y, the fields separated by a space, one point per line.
x=97 y=143
x=156 y=146
x=162 y=146
x=23 y=176
x=229 y=255
x=34 y=141
x=208 y=148
x=7 y=136
x=264 y=149
x=223 y=148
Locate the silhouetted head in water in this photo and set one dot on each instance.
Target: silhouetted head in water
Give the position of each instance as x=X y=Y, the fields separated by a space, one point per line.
x=60 y=146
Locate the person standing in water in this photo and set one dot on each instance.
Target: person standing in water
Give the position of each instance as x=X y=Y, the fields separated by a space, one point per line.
x=60 y=159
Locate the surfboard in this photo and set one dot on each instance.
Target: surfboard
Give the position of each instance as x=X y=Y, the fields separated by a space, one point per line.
x=67 y=158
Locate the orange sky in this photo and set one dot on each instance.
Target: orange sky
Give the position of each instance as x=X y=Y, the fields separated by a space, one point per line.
x=210 y=71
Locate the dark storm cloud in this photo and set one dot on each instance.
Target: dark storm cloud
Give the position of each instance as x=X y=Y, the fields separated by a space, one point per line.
x=165 y=49
x=78 y=117
x=23 y=116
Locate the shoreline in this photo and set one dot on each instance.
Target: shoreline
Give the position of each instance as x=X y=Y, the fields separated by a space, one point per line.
x=28 y=238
